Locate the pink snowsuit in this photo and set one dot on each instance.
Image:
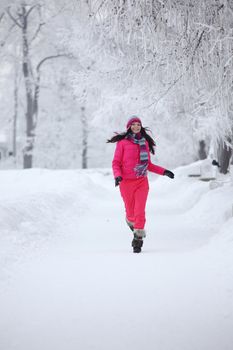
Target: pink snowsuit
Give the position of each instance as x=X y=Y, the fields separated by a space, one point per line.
x=134 y=190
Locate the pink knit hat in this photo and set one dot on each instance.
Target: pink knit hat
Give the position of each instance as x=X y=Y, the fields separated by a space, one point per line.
x=133 y=119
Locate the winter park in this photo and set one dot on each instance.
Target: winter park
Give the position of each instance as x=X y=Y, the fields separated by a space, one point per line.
x=116 y=175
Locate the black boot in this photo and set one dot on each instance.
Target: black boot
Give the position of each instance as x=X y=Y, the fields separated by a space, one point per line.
x=137 y=244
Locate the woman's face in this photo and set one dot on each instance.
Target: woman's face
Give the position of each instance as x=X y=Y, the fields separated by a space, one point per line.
x=136 y=127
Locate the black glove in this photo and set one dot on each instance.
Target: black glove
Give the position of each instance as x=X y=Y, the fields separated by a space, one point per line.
x=169 y=174
x=118 y=179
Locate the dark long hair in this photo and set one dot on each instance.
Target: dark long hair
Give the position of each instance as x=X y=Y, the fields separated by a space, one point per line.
x=143 y=132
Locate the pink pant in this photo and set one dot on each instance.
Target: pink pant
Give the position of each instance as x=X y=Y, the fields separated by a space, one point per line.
x=134 y=193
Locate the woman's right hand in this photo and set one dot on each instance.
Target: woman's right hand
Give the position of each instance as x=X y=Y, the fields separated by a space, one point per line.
x=118 y=179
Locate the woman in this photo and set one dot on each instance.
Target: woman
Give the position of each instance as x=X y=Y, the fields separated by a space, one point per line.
x=130 y=165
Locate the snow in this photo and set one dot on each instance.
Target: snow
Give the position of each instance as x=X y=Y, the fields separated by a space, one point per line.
x=69 y=279
x=3 y=138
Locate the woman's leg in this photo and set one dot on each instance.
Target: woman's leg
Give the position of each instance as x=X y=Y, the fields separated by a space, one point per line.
x=140 y=197
x=127 y=190
x=134 y=194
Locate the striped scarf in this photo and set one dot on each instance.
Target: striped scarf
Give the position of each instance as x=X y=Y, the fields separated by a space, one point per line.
x=141 y=168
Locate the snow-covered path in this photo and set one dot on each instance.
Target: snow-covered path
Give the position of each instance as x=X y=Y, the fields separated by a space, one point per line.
x=85 y=289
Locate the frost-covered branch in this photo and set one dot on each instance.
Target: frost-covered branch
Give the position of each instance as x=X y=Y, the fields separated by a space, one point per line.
x=197 y=44
x=226 y=64
x=100 y=6
x=211 y=27
x=166 y=92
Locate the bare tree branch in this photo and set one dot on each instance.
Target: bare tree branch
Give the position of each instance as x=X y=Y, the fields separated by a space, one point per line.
x=49 y=58
x=1 y=16
x=58 y=12
x=13 y=18
x=3 y=42
x=40 y=24
x=37 y=31
x=30 y=10
x=37 y=86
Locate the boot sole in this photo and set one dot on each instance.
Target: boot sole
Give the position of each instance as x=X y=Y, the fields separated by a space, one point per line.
x=137 y=250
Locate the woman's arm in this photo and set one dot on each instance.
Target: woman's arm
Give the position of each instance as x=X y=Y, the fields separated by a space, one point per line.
x=156 y=169
x=117 y=160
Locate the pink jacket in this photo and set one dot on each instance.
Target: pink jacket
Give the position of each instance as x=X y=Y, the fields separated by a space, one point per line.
x=127 y=156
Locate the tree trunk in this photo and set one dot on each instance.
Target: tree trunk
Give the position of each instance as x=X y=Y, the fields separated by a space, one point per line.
x=224 y=156
x=32 y=83
x=85 y=138
x=202 y=150
x=28 y=149
x=15 y=116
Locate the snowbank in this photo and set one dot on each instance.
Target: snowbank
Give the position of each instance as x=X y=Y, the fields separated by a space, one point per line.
x=38 y=204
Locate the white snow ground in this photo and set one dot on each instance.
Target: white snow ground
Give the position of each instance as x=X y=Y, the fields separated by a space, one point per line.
x=69 y=279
